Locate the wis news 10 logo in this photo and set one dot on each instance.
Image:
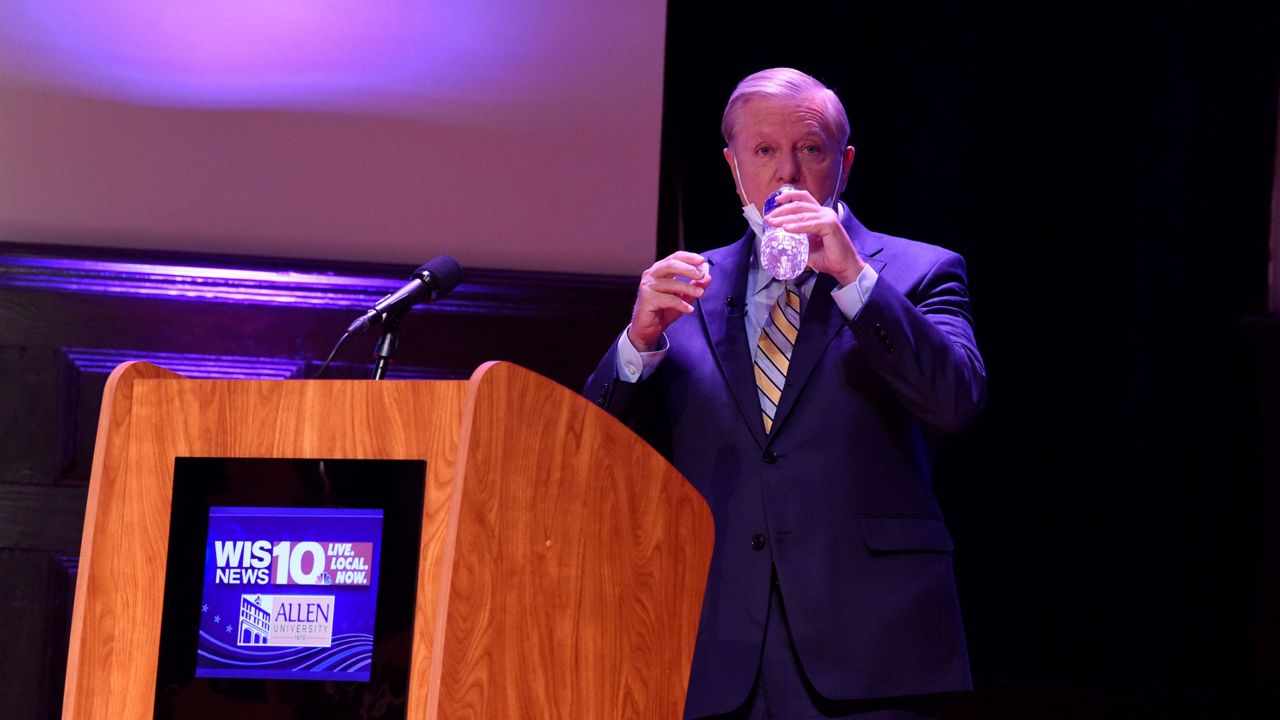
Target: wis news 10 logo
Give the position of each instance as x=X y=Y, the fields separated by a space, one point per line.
x=290 y=620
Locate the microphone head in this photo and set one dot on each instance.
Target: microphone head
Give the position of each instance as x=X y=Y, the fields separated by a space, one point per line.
x=442 y=273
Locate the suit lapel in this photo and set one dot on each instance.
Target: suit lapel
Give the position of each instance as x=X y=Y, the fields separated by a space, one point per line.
x=865 y=242
x=822 y=320
x=726 y=328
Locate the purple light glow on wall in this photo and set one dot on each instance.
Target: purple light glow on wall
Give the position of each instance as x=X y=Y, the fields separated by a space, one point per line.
x=187 y=282
x=482 y=292
x=245 y=52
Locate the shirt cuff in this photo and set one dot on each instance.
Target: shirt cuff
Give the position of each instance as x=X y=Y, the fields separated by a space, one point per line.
x=634 y=365
x=853 y=296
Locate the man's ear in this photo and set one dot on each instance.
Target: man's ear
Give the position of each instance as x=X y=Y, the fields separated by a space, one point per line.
x=737 y=181
x=846 y=163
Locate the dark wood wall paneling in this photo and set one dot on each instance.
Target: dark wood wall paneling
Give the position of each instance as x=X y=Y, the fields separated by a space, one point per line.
x=70 y=315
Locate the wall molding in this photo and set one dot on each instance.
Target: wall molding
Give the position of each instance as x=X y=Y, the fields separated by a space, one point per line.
x=292 y=283
x=87 y=360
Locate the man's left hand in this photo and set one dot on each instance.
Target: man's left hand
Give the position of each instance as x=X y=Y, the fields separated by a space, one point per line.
x=830 y=249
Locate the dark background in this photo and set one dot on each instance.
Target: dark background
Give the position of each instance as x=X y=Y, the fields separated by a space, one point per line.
x=1105 y=168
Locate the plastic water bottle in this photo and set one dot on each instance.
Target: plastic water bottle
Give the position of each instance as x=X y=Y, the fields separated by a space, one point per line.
x=783 y=254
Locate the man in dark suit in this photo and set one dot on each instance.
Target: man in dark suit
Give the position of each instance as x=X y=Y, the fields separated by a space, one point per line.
x=804 y=412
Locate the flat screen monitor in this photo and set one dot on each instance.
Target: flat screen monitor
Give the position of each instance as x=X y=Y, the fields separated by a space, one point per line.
x=290 y=588
x=289 y=593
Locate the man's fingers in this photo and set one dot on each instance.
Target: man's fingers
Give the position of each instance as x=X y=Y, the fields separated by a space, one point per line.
x=793 y=209
x=676 y=287
x=685 y=264
x=687 y=257
x=795 y=196
x=793 y=213
x=679 y=264
x=659 y=301
x=705 y=280
x=670 y=267
x=804 y=225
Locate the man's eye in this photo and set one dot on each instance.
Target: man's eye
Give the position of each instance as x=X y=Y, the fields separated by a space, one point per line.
x=812 y=149
x=764 y=151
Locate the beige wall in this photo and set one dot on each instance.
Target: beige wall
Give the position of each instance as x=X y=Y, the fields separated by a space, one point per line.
x=538 y=151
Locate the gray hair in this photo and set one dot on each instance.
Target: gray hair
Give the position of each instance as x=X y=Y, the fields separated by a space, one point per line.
x=780 y=83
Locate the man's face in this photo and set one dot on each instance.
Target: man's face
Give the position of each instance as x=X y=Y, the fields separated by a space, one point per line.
x=784 y=142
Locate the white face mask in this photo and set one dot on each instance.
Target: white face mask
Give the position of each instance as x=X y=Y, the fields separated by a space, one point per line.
x=752 y=213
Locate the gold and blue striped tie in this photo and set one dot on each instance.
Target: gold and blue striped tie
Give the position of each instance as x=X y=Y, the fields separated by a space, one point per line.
x=773 y=356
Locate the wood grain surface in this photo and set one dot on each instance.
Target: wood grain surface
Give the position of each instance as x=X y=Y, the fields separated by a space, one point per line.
x=149 y=418
x=562 y=561
x=578 y=570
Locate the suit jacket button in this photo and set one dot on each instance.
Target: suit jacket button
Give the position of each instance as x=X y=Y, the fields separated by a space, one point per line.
x=770 y=457
x=757 y=542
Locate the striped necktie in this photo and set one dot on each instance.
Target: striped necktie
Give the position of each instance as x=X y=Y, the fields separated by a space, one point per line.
x=777 y=340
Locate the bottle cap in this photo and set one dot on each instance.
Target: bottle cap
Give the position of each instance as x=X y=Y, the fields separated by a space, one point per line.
x=772 y=201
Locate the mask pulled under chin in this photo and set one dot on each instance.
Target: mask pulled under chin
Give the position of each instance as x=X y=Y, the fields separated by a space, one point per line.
x=754 y=219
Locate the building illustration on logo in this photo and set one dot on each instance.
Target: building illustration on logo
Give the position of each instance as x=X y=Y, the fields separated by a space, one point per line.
x=255 y=621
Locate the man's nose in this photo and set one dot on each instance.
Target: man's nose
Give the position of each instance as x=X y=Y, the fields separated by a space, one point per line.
x=788 y=170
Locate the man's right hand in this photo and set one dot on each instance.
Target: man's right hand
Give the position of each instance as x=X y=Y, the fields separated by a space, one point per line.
x=663 y=297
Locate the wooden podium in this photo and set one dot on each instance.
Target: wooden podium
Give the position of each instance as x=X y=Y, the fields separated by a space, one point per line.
x=562 y=560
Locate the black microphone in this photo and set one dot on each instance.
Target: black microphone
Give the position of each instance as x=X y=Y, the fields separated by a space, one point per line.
x=731 y=309
x=435 y=279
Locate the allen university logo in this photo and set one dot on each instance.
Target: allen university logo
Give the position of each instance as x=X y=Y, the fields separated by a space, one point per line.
x=286 y=620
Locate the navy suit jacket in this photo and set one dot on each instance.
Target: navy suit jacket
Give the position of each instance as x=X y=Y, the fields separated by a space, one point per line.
x=838 y=498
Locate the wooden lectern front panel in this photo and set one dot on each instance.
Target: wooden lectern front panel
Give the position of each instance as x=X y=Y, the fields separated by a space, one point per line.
x=150 y=417
x=578 y=568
